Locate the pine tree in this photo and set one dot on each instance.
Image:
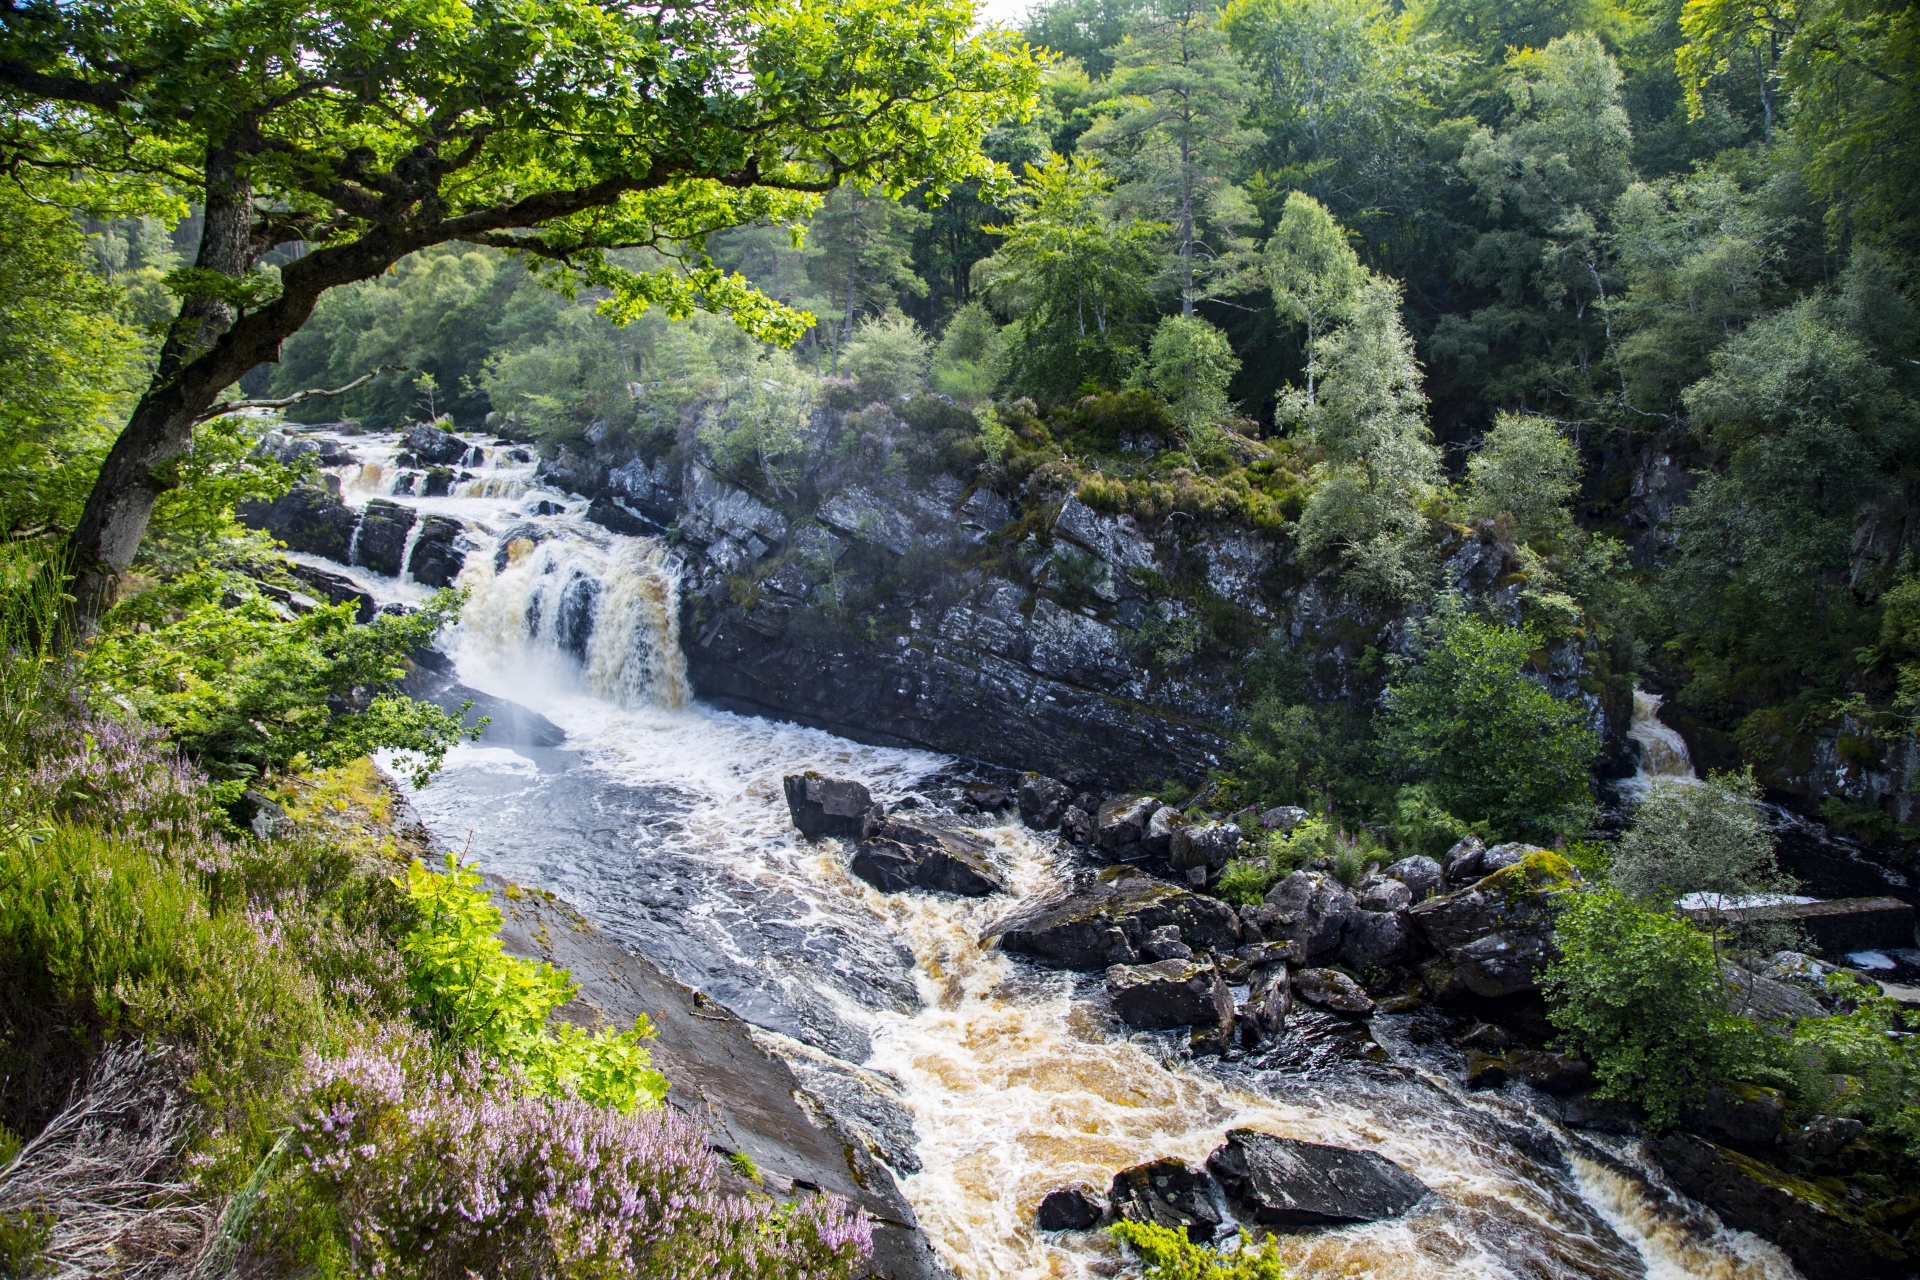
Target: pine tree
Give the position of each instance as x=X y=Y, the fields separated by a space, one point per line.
x=1183 y=94
x=865 y=256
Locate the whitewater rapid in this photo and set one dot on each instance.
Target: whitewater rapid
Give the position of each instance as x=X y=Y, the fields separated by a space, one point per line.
x=665 y=822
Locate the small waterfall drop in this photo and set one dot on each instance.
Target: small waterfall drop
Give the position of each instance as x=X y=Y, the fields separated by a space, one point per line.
x=611 y=609
x=1662 y=752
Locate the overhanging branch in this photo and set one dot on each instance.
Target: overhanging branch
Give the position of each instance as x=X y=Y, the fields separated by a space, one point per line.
x=287 y=402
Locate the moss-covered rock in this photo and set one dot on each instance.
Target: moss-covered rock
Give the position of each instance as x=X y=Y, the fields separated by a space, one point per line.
x=1497 y=933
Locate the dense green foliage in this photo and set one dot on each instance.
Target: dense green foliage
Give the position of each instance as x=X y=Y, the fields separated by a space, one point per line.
x=1169 y=1255
x=1492 y=744
x=472 y=993
x=1637 y=993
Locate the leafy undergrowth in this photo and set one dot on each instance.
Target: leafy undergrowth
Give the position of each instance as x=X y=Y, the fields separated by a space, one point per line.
x=1169 y=1255
x=366 y=1084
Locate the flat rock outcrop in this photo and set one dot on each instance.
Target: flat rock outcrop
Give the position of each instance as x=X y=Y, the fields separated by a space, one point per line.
x=1282 y=1182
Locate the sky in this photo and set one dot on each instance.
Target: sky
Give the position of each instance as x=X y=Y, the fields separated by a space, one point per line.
x=1008 y=13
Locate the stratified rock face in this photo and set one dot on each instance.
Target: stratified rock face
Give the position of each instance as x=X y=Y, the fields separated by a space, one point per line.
x=1168 y=1193
x=434 y=447
x=384 y=526
x=1043 y=801
x=838 y=807
x=907 y=853
x=437 y=557
x=1282 y=1182
x=308 y=519
x=1819 y=1231
x=1071 y=1208
x=1169 y=993
x=1497 y=933
x=1111 y=924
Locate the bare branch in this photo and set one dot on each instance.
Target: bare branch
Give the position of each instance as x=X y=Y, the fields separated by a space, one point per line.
x=287 y=402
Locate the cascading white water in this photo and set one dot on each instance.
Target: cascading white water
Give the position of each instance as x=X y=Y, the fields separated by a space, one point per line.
x=665 y=822
x=1661 y=751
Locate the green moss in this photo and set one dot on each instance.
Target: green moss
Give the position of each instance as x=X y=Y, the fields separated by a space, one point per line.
x=1544 y=870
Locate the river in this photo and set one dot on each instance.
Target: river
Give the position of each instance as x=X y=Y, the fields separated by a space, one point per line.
x=664 y=822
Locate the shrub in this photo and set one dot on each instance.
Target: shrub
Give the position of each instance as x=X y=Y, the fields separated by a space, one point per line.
x=475 y=996
x=890 y=356
x=1169 y=1255
x=1492 y=744
x=1421 y=823
x=1637 y=992
x=1278 y=854
x=1862 y=1062
x=1189 y=364
x=1526 y=472
x=1707 y=838
x=241 y=689
x=404 y=1166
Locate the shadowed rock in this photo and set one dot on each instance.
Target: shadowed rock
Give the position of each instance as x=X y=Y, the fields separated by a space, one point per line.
x=1110 y=923
x=1043 y=801
x=1168 y=994
x=906 y=853
x=838 y=807
x=433 y=446
x=1072 y=1208
x=1333 y=991
x=1168 y=1193
x=308 y=519
x=1282 y=1182
x=437 y=559
x=383 y=536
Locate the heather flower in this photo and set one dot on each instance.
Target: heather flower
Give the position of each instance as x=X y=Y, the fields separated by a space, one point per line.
x=436 y=1171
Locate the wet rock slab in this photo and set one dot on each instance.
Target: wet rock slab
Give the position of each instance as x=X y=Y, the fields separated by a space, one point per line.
x=1283 y=1182
x=1110 y=923
x=1168 y=994
x=837 y=807
x=917 y=853
x=1169 y=1193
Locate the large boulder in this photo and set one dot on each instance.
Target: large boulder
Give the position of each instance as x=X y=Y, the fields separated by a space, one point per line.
x=908 y=853
x=437 y=559
x=1071 y=1208
x=1204 y=844
x=434 y=447
x=1121 y=822
x=1169 y=993
x=384 y=526
x=338 y=588
x=1333 y=991
x=1820 y=1231
x=1263 y=1017
x=838 y=807
x=1311 y=909
x=1043 y=801
x=1422 y=876
x=1282 y=1182
x=1163 y=828
x=1497 y=933
x=1462 y=862
x=1111 y=922
x=1375 y=939
x=306 y=518
x=1169 y=1193
x=1743 y=1114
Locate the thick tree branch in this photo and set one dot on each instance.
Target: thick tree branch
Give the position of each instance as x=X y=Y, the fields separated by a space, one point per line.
x=311 y=393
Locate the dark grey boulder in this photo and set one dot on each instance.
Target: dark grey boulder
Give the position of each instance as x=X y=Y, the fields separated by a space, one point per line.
x=1284 y=817
x=984 y=797
x=1823 y=1234
x=1071 y=1208
x=1076 y=824
x=1043 y=801
x=1169 y=993
x=1743 y=1114
x=1821 y=1140
x=432 y=446
x=614 y=518
x=1312 y=909
x=337 y=588
x=1263 y=1018
x=438 y=482
x=1333 y=991
x=1282 y=1182
x=436 y=559
x=1497 y=933
x=384 y=526
x=907 y=853
x=1122 y=821
x=1462 y=862
x=1169 y=1193
x=1384 y=894
x=1550 y=1072
x=1502 y=856
x=1421 y=875
x=1162 y=828
x=575 y=614
x=1375 y=939
x=308 y=519
x=1207 y=844
x=1164 y=944
x=838 y=807
x=1109 y=923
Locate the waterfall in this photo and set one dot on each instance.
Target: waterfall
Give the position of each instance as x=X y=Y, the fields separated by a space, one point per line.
x=1662 y=752
x=610 y=614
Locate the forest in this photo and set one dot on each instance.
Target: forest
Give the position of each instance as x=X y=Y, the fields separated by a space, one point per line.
x=1625 y=292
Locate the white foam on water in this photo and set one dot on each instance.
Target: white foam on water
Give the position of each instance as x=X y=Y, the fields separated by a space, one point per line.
x=1674 y=1248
